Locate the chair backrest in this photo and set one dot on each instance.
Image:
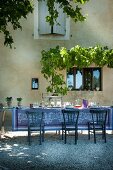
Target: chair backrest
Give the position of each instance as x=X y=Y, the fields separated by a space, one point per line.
x=70 y=116
x=99 y=115
x=35 y=117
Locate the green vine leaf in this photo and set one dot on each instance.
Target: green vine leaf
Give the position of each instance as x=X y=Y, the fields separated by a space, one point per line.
x=57 y=59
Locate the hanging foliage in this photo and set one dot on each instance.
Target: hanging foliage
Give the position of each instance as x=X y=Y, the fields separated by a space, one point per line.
x=56 y=59
x=52 y=62
x=11 y=12
x=74 y=11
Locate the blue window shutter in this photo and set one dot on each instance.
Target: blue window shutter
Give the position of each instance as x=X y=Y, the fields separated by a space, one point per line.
x=61 y=27
x=43 y=26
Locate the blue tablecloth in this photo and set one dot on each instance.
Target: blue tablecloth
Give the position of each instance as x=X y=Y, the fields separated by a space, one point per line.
x=53 y=118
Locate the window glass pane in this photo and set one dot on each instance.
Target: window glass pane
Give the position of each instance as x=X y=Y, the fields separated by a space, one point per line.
x=70 y=82
x=96 y=79
x=78 y=79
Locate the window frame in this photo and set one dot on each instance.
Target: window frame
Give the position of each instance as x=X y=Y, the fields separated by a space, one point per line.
x=91 y=69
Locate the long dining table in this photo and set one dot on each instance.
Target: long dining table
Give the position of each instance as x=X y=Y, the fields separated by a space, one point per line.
x=53 y=118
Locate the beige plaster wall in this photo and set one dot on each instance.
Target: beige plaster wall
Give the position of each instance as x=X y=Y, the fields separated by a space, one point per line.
x=19 y=65
x=97 y=29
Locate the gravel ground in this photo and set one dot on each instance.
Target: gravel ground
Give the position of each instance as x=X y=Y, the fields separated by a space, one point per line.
x=53 y=154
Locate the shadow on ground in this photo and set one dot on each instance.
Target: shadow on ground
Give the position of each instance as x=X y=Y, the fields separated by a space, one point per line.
x=53 y=154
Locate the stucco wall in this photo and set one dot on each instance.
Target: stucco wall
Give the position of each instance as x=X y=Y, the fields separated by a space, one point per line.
x=19 y=65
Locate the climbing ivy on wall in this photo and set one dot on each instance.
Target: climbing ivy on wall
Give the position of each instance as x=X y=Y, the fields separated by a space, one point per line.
x=57 y=59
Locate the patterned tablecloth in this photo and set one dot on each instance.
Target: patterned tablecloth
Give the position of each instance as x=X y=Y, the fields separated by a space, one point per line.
x=53 y=118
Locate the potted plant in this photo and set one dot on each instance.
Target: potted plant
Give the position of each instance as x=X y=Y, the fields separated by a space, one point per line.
x=9 y=101
x=19 y=99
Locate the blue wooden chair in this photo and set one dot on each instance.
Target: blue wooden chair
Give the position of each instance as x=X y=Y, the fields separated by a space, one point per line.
x=70 y=123
x=98 y=123
x=35 y=124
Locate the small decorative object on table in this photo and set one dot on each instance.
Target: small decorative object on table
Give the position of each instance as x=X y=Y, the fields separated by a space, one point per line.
x=85 y=103
x=19 y=100
x=52 y=99
x=9 y=101
x=31 y=105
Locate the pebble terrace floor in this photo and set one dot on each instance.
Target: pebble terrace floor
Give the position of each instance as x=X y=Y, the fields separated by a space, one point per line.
x=53 y=154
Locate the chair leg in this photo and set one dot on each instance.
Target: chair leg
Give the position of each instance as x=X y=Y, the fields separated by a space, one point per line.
x=105 y=136
x=76 y=136
x=88 y=131
x=43 y=135
x=62 y=133
x=65 y=136
x=104 y=132
x=77 y=133
x=94 y=136
x=40 y=136
x=29 y=136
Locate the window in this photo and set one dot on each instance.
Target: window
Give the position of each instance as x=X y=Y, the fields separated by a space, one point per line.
x=84 y=79
x=42 y=29
x=34 y=84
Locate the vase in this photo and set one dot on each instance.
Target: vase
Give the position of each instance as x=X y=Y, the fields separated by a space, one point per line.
x=19 y=103
x=85 y=103
x=9 y=103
